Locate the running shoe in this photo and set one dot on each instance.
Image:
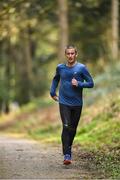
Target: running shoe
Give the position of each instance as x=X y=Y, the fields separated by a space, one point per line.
x=67 y=159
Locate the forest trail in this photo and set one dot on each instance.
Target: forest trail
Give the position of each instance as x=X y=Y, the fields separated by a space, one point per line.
x=27 y=159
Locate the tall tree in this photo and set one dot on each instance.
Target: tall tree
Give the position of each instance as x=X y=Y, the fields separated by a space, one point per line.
x=63 y=27
x=115 y=28
x=24 y=62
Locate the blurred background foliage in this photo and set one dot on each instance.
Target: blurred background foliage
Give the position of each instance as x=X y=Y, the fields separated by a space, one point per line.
x=33 y=35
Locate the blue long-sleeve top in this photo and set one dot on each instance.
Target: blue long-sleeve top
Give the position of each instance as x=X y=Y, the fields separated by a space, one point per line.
x=69 y=94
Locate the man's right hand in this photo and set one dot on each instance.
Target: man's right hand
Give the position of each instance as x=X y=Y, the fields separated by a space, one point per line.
x=55 y=98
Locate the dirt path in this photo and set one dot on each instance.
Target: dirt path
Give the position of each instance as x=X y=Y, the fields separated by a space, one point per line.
x=25 y=159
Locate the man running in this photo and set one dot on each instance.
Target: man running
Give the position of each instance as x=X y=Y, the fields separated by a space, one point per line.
x=73 y=77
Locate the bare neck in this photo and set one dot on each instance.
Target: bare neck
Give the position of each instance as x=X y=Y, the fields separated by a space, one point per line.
x=71 y=64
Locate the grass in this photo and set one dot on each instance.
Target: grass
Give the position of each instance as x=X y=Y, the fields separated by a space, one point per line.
x=98 y=133
x=101 y=137
x=47 y=134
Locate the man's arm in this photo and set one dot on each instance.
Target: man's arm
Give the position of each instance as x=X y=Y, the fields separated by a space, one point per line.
x=88 y=79
x=54 y=85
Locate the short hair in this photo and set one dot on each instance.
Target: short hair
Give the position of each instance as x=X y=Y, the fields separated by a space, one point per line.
x=71 y=47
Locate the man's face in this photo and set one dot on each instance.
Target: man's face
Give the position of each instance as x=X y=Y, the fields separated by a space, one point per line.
x=71 y=55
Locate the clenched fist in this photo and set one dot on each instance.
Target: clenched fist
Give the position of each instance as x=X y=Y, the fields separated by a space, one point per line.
x=74 y=82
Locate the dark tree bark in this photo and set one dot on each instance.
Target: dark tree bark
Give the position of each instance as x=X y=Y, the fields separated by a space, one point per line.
x=115 y=29
x=63 y=28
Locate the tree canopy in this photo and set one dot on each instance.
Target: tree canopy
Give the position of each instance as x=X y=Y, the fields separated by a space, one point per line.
x=33 y=35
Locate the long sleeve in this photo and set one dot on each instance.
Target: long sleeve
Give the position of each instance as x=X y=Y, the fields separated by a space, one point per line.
x=55 y=82
x=88 y=83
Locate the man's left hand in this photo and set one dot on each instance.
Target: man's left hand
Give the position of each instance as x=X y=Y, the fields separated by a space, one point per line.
x=74 y=82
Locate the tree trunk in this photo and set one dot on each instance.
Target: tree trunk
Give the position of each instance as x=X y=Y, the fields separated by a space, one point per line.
x=63 y=28
x=7 y=78
x=27 y=56
x=115 y=29
x=23 y=69
x=26 y=68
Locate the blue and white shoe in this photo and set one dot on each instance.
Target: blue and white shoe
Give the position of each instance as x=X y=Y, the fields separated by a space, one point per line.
x=67 y=159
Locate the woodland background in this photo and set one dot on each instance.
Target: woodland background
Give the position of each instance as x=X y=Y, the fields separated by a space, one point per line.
x=34 y=33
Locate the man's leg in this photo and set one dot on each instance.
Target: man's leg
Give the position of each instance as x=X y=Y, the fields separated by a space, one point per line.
x=65 y=113
x=75 y=117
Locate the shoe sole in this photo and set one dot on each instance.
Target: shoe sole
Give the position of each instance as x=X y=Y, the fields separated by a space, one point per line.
x=67 y=162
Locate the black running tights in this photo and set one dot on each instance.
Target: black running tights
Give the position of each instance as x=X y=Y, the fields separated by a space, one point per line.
x=70 y=116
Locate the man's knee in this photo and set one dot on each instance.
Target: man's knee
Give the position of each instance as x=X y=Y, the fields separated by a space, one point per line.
x=67 y=127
